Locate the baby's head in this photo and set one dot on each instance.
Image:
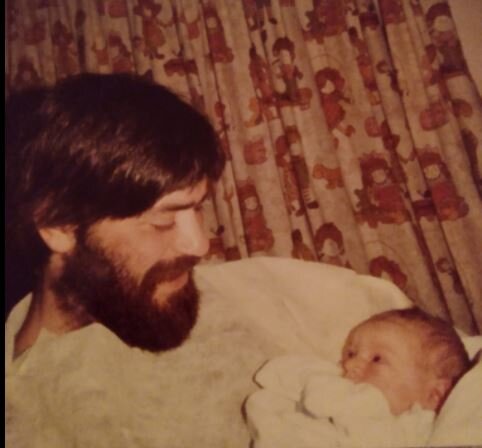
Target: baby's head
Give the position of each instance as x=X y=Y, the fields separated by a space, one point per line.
x=410 y=356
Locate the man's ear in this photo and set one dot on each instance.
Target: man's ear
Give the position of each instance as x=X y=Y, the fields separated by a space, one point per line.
x=438 y=392
x=58 y=239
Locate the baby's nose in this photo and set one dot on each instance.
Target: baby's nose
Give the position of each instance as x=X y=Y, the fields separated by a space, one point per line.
x=355 y=370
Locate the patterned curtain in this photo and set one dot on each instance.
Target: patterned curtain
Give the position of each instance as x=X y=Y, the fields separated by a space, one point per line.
x=352 y=133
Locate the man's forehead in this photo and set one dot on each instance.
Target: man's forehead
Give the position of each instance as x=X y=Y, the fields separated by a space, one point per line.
x=190 y=195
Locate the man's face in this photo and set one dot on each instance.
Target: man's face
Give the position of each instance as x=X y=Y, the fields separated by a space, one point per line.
x=388 y=355
x=134 y=275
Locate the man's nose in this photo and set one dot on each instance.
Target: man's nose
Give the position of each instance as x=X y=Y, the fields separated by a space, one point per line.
x=191 y=237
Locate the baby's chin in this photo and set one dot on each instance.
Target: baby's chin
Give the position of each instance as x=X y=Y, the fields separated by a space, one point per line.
x=397 y=410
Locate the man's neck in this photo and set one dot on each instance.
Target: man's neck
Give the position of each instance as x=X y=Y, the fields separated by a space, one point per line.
x=45 y=313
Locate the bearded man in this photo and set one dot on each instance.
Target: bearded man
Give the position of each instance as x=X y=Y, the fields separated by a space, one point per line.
x=106 y=177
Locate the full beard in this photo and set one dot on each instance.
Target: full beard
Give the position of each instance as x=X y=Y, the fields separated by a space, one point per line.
x=99 y=288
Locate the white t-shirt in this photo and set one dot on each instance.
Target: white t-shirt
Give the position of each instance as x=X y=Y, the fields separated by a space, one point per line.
x=88 y=389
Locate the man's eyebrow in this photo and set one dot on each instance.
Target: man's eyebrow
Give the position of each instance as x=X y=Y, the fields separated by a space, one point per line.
x=185 y=206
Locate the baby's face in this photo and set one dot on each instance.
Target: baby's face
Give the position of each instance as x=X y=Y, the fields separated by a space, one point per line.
x=388 y=356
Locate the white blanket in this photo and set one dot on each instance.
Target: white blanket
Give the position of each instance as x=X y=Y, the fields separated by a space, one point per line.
x=91 y=391
x=306 y=403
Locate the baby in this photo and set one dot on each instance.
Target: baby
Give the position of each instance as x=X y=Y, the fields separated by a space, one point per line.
x=396 y=370
x=410 y=356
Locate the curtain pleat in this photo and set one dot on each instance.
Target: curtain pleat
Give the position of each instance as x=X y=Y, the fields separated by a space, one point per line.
x=352 y=130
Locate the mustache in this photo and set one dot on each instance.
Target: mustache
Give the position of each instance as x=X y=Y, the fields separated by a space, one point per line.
x=169 y=270
x=165 y=271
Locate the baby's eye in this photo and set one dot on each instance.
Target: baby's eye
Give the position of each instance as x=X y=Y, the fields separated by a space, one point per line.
x=377 y=358
x=350 y=353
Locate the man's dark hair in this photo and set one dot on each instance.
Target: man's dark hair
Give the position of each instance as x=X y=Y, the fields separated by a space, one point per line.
x=93 y=147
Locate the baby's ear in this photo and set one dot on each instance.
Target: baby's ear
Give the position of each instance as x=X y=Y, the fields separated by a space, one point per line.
x=438 y=391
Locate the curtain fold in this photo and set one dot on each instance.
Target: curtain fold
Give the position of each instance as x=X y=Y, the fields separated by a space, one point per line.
x=352 y=129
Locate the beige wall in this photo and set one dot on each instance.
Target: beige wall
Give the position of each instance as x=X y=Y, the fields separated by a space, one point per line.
x=467 y=15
